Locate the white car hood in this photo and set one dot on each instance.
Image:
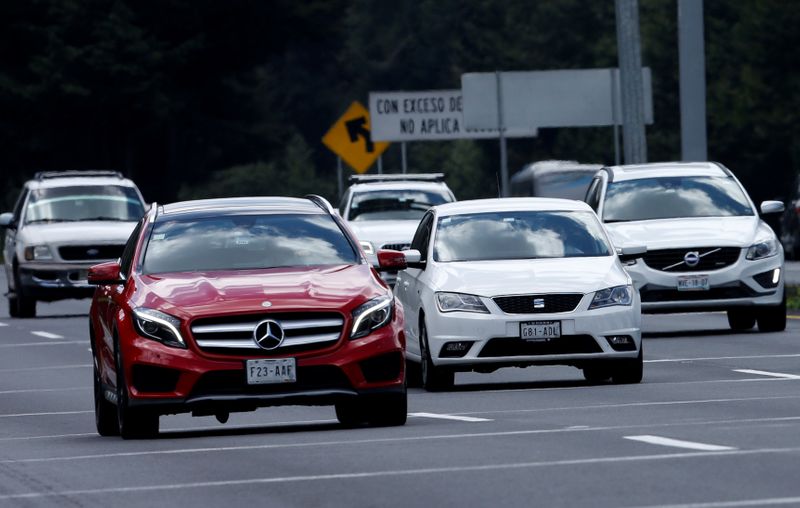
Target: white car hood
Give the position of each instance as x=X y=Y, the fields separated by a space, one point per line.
x=530 y=276
x=379 y=232
x=77 y=233
x=686 y=232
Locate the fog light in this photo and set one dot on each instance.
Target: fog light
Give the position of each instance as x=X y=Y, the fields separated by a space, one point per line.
x=776 y=275
x=621 y=342
x=455 y=349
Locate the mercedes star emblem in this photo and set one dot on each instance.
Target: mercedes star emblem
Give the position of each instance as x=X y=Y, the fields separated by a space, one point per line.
x=268 y=334
x=692 y=258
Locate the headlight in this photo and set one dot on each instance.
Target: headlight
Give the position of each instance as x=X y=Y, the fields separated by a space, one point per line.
x=367 y=247
x=618 y=295
x=371 y=315
x=38 y=252
x=763 y=249
x=451 y=302
x=158 y=326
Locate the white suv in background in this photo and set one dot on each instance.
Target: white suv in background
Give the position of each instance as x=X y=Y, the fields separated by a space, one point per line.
x=63 y=223
x=707 y=247
x=383 y=210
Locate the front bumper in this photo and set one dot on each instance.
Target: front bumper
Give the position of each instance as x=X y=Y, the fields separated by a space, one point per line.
x=494 y=339
x=55 y=281
x=743 y=284
x=170 y=380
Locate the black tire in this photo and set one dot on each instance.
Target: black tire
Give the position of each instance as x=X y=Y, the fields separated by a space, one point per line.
x=741 y=319
x=351 y=413
x=772 y=319
x=105 y=414
x=434 y=379
x=596 y=373
x=629 y=371
x=19 y=305
x=132 y=423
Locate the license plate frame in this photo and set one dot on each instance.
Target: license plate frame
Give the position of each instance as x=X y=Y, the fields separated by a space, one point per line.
x=693 y=283
x=539 y=331
x=271 y=371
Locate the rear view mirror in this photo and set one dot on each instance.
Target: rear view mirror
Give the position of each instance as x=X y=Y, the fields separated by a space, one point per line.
x=105 y=273
x=631 y=250
x=7 y=220
x=768 y=207
x=414 y=258
x=389 y=260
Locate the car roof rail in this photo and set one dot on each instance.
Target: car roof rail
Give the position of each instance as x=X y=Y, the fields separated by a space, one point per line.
x=320 y=202
x=44 y=175
x=398 y=177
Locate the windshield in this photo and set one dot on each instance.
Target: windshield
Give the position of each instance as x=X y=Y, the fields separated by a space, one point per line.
x=246 y=242
x=671 y=197
x=79 y=203
x=394 y=204
x=519 y=235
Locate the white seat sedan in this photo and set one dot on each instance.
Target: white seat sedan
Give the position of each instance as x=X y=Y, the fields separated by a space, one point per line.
x=496 y=283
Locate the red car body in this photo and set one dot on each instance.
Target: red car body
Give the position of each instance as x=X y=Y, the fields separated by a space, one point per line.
x=138 y=378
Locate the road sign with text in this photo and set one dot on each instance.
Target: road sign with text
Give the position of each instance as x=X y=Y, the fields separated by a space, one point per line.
x=350 y=139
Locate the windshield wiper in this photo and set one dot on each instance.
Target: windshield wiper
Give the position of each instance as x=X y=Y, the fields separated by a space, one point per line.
x=47 y=221
x=103 y=217
x=617 y=220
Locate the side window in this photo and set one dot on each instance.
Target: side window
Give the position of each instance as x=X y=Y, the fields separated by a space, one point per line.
x=423 y=234
x=593 y=194
x=130 y=248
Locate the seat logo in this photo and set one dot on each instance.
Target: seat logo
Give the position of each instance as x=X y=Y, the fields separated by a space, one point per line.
x=538 y=303
x=268 y=334
x=692 y=258
x=92 y=252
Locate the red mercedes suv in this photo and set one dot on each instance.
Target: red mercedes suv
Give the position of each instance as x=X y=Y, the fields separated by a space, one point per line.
x=231 y=304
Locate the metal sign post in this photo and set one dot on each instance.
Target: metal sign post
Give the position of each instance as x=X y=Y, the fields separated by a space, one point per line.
x=501 y=131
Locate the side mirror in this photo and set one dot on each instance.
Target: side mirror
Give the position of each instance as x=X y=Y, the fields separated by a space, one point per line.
x=768 y=207
x=631 y=250
x=414 y=258
x=390 y=260
x=7 y=220
x=105 y=273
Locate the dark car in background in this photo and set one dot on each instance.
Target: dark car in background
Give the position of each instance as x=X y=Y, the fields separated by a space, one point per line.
x=790 y=224
x=553 y=179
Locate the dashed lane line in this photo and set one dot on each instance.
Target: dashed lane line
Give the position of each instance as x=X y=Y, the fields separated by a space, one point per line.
x=43 y=390
x=675 y=360
x=54 y=367
x=48 y=413
x=459 y=418
x=35 y=344
x=770 y=501
x=3 y=324
x=678 y=443
x=779 y=375
x=47 y=335
x=401 y=472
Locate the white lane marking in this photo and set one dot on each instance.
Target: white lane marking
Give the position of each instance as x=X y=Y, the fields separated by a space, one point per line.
x=50 y=413
x=668 y=360
x=47 y=335
x=770 y=501
x=51 y=343
x=55 y=367
x=401 y=472
x=450 y=417
x=386 y=440
x=54 y=436
x=42 y=390
x=678 y=443
x=3 y=324
x=768 y=374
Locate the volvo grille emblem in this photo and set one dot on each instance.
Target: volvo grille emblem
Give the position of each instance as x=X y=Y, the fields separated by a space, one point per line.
x=538 y=303
x=92 y=252
x=268 y=334
x=692 y=258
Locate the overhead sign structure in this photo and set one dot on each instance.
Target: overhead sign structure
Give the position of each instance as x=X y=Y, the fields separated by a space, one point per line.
x=350 y=139
x=430 y=115
x=562 y=98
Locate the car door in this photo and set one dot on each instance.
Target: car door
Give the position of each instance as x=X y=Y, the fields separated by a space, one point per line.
x=408 y=285
x=10 y=243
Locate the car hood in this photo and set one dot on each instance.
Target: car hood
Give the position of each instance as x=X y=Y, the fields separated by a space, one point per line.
x=529 y=276
x=190 y=294
x=77 y=233
x=380 y=232
x=688 y=232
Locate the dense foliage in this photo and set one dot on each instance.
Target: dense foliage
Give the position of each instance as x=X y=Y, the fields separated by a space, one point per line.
x=196 y=98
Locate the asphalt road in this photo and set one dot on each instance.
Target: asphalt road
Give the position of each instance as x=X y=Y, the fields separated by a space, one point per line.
x=715 y=422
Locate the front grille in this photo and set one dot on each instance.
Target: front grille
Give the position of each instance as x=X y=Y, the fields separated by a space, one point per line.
x=90 y=252
x=711 y=258
x=234 y=382
x=564 y=345
x=538 y=304
x=233 y=335
x=673 y=295
x=396 y=246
